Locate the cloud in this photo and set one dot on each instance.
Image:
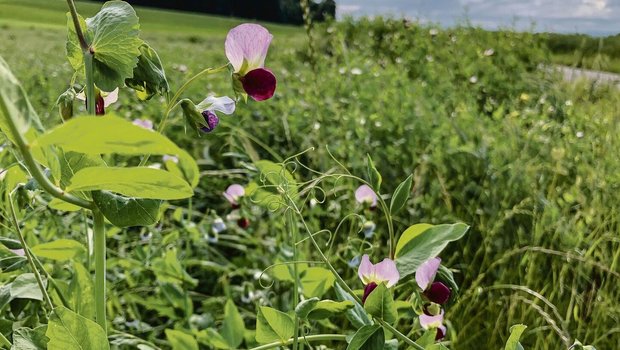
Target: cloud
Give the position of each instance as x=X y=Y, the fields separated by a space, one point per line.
x=590 y=16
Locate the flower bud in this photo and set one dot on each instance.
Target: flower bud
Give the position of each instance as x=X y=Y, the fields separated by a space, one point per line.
x=211 y=121
x=65 y=104
x=243 y=223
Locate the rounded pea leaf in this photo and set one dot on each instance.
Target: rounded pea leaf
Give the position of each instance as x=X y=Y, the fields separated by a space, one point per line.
x=113 y=38
x=315 y=309
x=138 y=182
x=233 y=327
x=273 y=325
x=69 y=331
x=111 y=134
x=127 y=211
x=59 y=249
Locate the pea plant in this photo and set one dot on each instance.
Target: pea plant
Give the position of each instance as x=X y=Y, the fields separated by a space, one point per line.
x=98 y=163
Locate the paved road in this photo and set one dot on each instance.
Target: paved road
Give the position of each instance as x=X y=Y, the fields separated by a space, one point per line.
x=572 y=74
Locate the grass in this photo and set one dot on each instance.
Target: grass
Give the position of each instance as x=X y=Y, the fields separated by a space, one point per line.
x=529 y=161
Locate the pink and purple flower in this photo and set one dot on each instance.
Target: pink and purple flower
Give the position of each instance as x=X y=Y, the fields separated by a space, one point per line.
x=374 y=274
x=246 y=48
x=365 y=195
x=436 y=292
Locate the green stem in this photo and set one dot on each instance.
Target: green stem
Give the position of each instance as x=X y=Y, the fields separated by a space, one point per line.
x=76 y=24
x=344 y=285
x=309 y=338
x=52 y=281
x=293 y=228
x=4 y=341
x=90 y=83
x=46 y=296
x=173 y=102
x=100 y=267
x=33 y=166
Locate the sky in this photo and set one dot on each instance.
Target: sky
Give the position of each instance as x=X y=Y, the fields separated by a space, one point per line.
x=595 y=17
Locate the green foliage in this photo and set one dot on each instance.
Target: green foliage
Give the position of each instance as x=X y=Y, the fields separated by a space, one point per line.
x=233 y=327
x=416 y=249
x=112 y=36
x=30 y=339
x=401 y=194
x=273 y=325
x=70 y=331
x=124 y=212
x=356 y=315
x=60 y=249
x=180 y=340
x=515 y=334
x=316 y=309
x=149 y=77
x=367 y=338
x=380 y=304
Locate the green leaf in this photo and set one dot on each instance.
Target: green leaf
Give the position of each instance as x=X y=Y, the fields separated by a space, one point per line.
x=149 y=77
x=233 y=327
x=374 y=176
x=113 y=37
x=111 y=134
x=315 y=309
x=380 y=303
x=9 y=261
x=72 y=162
x=181 y=340
x=81 y=292
x=30 y=339
x=60 y=249
x=515 y=334
x=428 y=338
x=169 y=269
x=426 y=245
x=140 y=182
x=124 y=211
x=70 y=331
x=369 y=337
x=357 y=315
x=401 y=195
x=436 y=346
x=316 y=281
x=273 y=325
x=409 y=234
x=74 y=51
x=211 y=337
x=25 y=286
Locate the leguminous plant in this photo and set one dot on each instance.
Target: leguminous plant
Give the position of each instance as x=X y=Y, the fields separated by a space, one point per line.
x=335 y=200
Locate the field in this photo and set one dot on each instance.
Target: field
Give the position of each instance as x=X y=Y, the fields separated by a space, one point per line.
x=528 y=161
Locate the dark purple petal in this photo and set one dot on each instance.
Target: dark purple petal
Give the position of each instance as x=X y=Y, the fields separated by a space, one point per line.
x=211 y=119
x=367 y=290
x=438 y=293
x=99 y=105
x=243 y=223
x=259 y=83
x=441 y=332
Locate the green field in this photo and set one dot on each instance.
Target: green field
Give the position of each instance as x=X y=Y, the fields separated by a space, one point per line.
x=529 y=161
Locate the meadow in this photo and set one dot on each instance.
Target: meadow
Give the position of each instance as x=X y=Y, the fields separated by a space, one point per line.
x=528 y=161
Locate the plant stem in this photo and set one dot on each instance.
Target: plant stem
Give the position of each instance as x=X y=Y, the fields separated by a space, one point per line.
x=309 y=338
x=4 y=341
x=344 y=285
x=76 y=24
x=46 y=296
x=33 y=167
x=290 y=220
x=90 y=83
x=173 y=102
x=100 y=267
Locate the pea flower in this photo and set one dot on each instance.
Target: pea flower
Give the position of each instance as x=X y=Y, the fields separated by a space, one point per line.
x=202 y=116
x=233 y=193
x=365 y=195
x=369 y=229
x=429 y=322
x=374 y=274
x=218 y=225
x=246 y=48
x=436 y=292
x=102 y=99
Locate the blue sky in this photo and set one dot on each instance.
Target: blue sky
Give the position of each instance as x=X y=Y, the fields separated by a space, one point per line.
x=597 y=17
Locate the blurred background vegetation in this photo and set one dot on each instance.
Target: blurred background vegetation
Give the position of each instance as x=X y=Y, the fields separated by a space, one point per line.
x=527 y=159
